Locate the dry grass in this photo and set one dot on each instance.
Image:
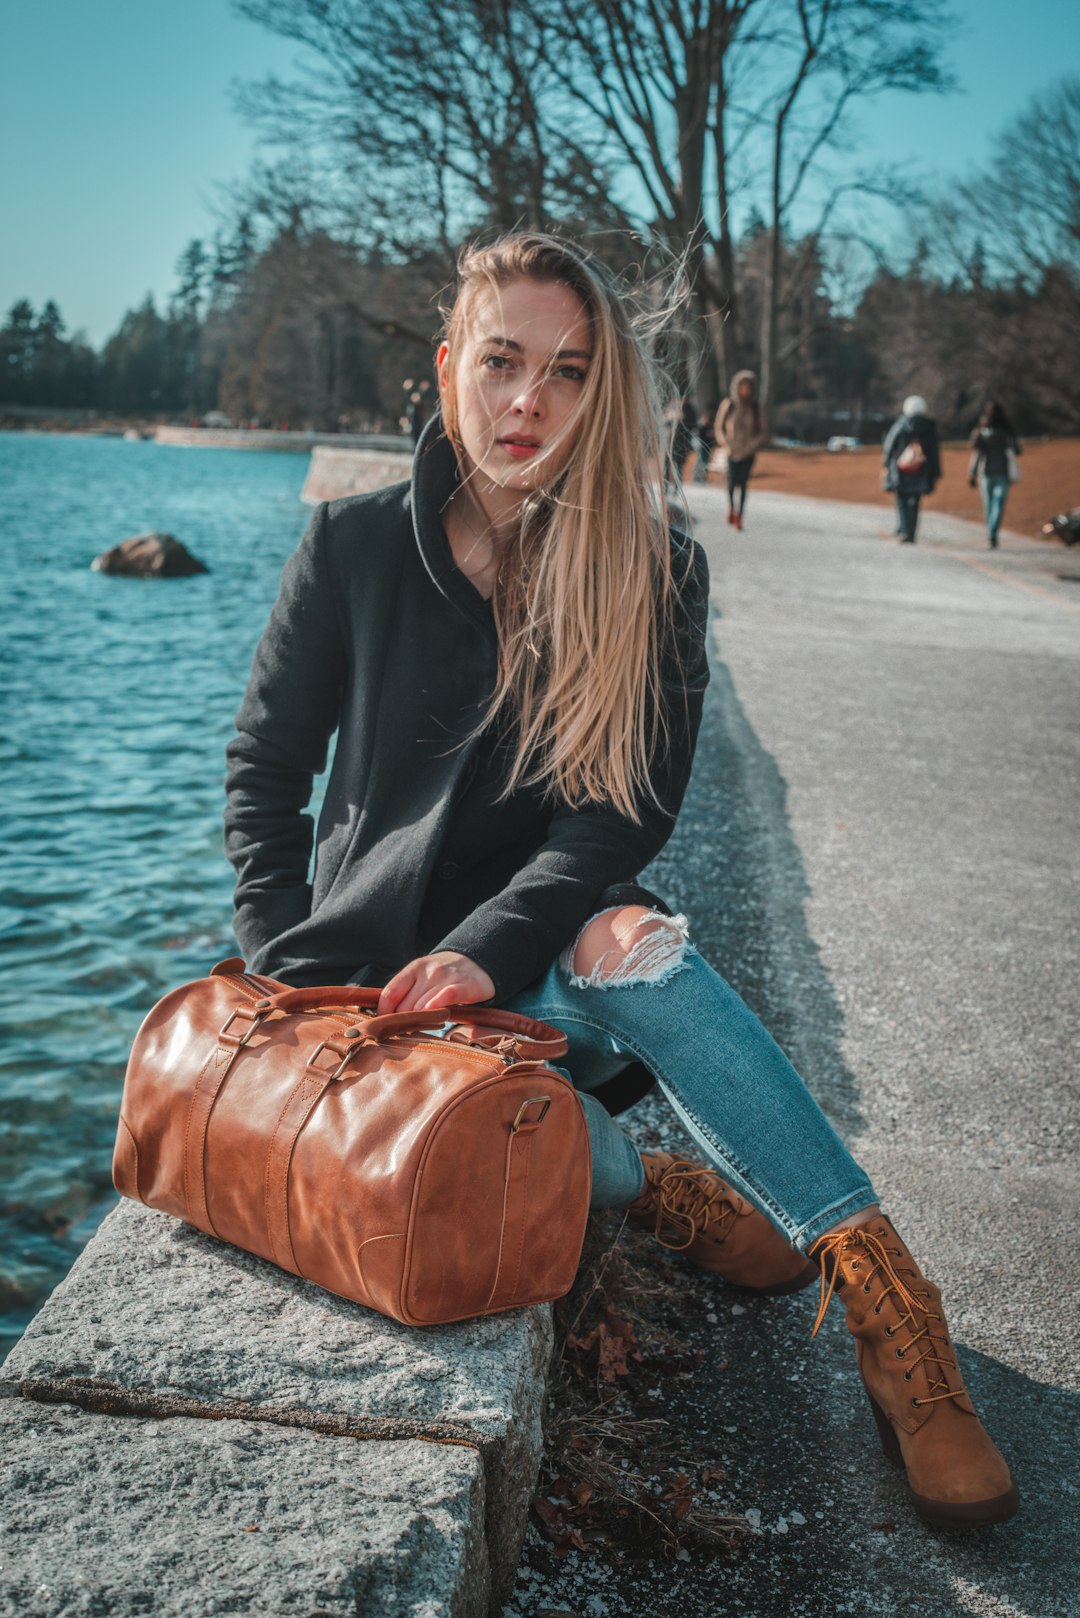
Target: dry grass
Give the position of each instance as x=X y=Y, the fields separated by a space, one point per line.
x=620 y=1479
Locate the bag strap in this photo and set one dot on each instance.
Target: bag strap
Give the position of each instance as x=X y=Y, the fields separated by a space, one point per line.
x=306 y=1093
x=535 y=1039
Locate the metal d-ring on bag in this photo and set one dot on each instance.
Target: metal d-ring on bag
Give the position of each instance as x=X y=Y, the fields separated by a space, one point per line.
x=430 y=1165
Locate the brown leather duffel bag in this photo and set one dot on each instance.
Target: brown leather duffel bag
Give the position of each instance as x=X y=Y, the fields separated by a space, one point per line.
x=427 y=1164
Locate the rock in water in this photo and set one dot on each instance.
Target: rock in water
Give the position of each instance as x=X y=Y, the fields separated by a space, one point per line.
x=149 y=556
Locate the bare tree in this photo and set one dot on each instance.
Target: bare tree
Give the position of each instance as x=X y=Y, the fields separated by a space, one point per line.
x=1011 y=236
x=1024 y=209
x=824 y=57
x=440 y=118
x=650 y=81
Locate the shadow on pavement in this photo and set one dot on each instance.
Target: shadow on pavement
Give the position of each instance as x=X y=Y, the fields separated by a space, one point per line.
x=734 y=867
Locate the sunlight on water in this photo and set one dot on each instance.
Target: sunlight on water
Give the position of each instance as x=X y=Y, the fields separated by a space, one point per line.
x=117 y=697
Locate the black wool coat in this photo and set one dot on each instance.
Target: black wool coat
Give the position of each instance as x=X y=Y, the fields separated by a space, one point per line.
x=904 y=430
x=377 y=635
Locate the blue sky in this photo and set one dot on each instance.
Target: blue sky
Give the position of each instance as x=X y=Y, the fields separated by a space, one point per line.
x=117 y=124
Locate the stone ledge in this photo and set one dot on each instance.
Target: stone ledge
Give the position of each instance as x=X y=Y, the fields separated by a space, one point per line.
x=335 y=472
x=156 y=1319
x=207 y=1519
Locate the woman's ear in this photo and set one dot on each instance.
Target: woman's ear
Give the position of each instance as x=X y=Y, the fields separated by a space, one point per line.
x=442 y=364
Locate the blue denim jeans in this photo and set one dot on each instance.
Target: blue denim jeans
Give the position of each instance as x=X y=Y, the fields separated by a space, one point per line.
x=726 y=1079
x=994 y=492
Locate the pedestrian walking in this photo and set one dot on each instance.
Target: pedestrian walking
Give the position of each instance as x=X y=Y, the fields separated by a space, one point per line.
x=995 y=449
x=417 y=407
x=683 y=436
x=911 y=457
x=706 y=438
x=740 y=430
x=512 y=650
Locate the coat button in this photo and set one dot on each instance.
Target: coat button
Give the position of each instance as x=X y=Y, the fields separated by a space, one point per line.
x=447 y=870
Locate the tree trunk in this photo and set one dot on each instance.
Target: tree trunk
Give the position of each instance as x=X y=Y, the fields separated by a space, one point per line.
x=771 y=299
x=723 y=322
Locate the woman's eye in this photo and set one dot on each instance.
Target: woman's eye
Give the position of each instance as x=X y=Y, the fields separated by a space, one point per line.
x=574 y=372
x=497 y=362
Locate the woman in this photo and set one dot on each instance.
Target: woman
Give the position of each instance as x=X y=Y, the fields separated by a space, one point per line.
x=740 y=431
x=512 y=651
x=992 y=443
x=911 y=458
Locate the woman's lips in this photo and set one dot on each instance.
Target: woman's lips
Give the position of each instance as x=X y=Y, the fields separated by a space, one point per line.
x=518 y=450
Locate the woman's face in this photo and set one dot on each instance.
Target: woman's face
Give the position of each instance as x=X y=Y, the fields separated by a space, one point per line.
x=746 y=390
x=518 y=380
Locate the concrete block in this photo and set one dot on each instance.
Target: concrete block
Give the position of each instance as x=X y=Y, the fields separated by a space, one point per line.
x=190 y=1518
x=156 y=1318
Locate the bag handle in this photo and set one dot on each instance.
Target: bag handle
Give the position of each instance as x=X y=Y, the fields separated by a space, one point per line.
x=535 y=1039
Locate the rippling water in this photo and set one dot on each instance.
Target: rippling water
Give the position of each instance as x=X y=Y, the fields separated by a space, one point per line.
x=116 y=700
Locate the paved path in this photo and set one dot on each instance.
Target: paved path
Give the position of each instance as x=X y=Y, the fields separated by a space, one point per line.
x=881 y=849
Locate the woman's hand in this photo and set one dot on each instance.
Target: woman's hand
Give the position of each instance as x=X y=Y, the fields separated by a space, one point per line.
x=443 y=979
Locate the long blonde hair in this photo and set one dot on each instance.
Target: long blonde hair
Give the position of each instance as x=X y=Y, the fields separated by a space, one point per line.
x=583 y=597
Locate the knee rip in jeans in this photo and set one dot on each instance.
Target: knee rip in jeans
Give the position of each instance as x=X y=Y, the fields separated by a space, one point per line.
x=627 y=946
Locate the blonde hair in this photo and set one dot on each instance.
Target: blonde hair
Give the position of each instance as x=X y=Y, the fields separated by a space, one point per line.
x=584 y=593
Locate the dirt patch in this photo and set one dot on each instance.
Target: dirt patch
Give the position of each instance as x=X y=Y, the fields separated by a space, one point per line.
x=1049 y=482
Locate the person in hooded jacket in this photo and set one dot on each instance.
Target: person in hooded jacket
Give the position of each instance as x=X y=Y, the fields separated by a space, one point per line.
x=511 y=649
x=911 y=457
x=740 y=430
x=994 y=446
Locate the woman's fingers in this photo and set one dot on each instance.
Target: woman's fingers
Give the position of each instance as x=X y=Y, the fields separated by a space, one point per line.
x=451 y=994
x=434 y=981
x=394 y=994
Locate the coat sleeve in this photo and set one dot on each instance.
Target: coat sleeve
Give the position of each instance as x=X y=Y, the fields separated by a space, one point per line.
x=283 y=729
x=516 y=935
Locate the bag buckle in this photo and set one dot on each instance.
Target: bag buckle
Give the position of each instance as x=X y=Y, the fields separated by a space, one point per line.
x=239 y=1040
x=522 y=1121
x=329 y=1045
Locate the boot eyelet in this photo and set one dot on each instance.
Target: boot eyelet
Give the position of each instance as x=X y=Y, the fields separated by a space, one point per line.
x=907 y=1376
x=889 y=1330
x=866 y=1286
x=855 y=1265
x=877 y=1308
x=899 y=1353
x=916 y=1402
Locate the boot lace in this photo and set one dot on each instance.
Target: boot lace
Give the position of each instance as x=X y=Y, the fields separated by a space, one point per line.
x=828 y=1251
x=691 y=1199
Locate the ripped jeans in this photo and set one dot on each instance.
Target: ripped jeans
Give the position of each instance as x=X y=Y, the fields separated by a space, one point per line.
x=726 y=1078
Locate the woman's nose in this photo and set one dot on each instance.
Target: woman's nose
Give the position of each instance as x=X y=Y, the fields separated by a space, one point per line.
x=530 y=400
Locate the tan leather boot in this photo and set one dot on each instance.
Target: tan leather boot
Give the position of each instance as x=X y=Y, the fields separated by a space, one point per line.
x=690 y=1209
x=926 y=1422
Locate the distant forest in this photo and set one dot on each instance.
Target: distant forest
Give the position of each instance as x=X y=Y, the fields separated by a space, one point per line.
x=642 y=132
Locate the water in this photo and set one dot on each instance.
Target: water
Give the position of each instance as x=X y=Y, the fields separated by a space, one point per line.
x=116 y=701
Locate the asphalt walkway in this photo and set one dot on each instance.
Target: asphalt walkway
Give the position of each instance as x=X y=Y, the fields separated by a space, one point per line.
x=881 y=850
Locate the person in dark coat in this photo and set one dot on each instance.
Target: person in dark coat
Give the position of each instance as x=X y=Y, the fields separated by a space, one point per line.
x=911 y=457
x=994 y=451
x=512 y=651
x=706 y=430
x=683 y=436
